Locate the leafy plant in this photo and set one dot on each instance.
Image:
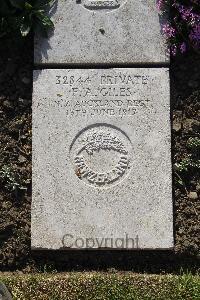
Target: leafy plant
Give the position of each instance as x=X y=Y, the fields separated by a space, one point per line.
x=194 y=144
x=187 y=163
x=11 y=180
x=182 y=28
x=191 y=163
x=23 y=16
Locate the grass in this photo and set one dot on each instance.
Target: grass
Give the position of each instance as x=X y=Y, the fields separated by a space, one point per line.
x=102 y=286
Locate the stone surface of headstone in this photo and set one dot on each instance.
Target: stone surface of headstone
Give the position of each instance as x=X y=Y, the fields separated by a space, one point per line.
x=4 y=293
x=102 y=159
x=103 y=32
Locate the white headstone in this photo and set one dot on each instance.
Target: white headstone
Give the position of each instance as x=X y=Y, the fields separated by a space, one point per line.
x=103 y=32
x=102 y=158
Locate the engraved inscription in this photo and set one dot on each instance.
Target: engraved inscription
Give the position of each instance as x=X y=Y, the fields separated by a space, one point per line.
x=101 y=94
x=104 y=94
x=101 y=155
x=101 y=4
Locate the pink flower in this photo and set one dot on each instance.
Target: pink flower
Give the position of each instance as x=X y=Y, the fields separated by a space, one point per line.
x=195 y=36
x=168 y=30
x=183 y=47
x=160 y=4
x=173 y=49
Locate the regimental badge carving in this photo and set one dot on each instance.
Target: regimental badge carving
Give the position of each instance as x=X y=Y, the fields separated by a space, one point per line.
x=101 y=155
x=101 y=4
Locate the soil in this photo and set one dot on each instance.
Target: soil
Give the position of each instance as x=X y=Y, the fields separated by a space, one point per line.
x=16 y=65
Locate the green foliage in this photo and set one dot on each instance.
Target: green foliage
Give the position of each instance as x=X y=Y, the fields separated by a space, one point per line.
x=186 y=164
x=192 y=161
x=103 y=286
x=23 y=16
x=10 y=180
x=194 y=144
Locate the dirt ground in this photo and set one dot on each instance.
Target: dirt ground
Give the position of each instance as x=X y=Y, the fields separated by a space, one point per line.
x=16 y=64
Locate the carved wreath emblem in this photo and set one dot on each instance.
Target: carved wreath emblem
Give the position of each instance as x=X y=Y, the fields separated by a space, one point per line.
x=101 y=155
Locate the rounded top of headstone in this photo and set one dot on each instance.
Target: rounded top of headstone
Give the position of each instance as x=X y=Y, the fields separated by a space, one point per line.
x=101 y=5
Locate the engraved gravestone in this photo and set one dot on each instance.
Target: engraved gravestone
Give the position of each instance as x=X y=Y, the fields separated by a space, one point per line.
x=101 y=159
x=103 y=32
x=101 y=137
